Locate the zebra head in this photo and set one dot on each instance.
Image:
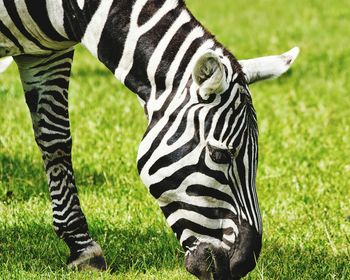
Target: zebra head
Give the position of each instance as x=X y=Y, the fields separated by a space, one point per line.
x=199 y=159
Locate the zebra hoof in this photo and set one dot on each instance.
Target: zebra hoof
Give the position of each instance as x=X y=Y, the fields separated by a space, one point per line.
x=90 y=259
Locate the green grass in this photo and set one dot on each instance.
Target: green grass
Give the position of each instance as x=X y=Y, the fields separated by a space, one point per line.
x=304 y=166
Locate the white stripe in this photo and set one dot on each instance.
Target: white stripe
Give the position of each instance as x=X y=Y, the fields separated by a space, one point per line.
x=161 y=47
x=95 y=27
x=48 y=108
x=29 y=46
x=226 y=126
x=239 y=130
x=64 y=221
x=202 y=239
x=56 y=16
x=179 y=194
x=35 y=30
x=81 y=4
x=55 y=184
x=68 y=206
x=204 y=221
x=47 y=144
x=236 y=175
x=135 y=32
x=220 y=111
x=248 y=186
x=195 y=34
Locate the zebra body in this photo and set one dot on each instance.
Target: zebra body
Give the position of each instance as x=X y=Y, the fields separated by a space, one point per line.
x=199 y=154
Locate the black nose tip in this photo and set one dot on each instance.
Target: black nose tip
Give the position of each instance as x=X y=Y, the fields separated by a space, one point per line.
x=245 y=252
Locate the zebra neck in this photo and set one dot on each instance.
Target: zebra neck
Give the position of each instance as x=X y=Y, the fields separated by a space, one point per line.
x=149 y=45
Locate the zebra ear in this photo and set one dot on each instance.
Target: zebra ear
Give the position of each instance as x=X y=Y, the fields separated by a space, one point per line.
x=209 y=74
x=267 y=67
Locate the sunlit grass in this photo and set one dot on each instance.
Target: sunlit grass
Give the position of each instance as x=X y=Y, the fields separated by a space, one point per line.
x=304 y=164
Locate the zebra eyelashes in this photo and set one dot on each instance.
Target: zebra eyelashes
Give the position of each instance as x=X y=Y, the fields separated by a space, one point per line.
x=221 y=156
x=210 y=75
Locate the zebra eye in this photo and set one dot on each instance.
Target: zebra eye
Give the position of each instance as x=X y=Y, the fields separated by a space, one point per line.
x=221 y=156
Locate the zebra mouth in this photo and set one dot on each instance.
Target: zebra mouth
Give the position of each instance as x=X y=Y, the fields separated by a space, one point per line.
x=209 y=262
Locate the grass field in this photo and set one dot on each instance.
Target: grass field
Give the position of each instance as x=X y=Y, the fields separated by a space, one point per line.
x=304 y=168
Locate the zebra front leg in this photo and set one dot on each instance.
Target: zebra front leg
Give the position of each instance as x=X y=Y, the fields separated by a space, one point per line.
x=45 y=81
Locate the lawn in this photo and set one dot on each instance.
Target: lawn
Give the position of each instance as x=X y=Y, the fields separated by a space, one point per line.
x=304 y=164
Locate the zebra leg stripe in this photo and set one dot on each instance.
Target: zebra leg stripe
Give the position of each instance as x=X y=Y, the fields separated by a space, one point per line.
x=45 y=81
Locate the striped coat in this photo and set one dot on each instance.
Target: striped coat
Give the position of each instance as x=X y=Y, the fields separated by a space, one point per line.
x=199 y=153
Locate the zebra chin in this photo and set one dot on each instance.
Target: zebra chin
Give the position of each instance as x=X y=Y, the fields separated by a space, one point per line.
x=207 y=261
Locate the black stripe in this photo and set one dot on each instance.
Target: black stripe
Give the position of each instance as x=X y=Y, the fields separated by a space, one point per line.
x=4 y=30
x=137 y=78
x=242 y=173
x=58 y=162
x=180 y=152
x=174 y=156
x=237 y=140
x=209 y=117
x=200 y=190
x=183 y=124
x=220 y=123
x=169 y=56
x=189 y=242
x=39 y=14
x=183 y=224
x=155 y=118
x=173 y=181
x=51 y=59
x=52 y=118
x=13 y=13
x=111 y=45
x=209 y=212
x=148 y=10
x=75 y=20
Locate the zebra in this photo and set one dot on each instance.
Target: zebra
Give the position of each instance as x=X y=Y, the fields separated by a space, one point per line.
x=199 y=154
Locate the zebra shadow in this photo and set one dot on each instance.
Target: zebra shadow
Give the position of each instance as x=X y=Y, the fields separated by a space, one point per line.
x=139 y=249
x=27 y=238
x=34 y=247
x=24 y=178
x=21 y=178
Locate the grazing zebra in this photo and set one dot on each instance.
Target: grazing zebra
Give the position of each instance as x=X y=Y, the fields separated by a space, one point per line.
x=199 y=154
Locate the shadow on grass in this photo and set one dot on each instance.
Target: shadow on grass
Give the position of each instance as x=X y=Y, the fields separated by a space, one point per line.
x=29 y=243
x=34 y=247
x=23 y=178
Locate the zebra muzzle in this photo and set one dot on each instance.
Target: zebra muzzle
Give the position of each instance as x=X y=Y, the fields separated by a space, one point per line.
x=207 y=262
x=210 y=262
